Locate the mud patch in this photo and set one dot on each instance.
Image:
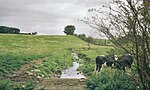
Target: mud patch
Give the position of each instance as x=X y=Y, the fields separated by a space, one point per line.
x=62 y=84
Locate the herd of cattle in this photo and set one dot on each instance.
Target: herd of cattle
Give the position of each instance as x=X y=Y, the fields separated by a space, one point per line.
x=111 y=61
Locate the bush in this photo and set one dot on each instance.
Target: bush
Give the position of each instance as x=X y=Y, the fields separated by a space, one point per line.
x=9 y=85
x=5 y=85
x=82 y=56
x=87 y=69
x=30 y=85
x=13 y=61
x=108 y=80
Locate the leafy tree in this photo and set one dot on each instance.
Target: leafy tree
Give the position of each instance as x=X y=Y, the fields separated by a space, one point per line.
x=69 y=29
x=129 y=20
x=82 y=36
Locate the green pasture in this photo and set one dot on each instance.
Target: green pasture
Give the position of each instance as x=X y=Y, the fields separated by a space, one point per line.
x=93 y=52
x=16 y=50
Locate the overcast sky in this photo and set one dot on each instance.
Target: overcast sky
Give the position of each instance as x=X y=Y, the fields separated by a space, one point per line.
x=47 y=16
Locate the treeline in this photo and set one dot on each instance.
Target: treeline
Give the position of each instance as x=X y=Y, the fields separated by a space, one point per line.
x=11 y=30
x=69 y=30
x=91 y=40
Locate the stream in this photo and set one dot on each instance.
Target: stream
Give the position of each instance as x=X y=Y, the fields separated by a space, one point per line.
x=72 y=72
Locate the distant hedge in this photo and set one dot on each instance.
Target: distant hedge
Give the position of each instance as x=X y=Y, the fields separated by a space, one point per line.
x=5 y=29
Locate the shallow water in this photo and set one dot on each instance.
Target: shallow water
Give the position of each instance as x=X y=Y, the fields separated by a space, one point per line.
x=72 y=72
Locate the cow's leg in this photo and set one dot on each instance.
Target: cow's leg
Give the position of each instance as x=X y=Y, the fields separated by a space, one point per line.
x=123 y=69
x=96 y=69
x=129 y=68
x=100 y=66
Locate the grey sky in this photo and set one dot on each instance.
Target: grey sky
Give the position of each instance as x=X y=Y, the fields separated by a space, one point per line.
x=46 y=16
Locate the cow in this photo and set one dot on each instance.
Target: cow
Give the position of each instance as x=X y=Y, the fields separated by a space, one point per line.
x=123 y=61
x=104 y=60
x=110 y=59
x=100 y=60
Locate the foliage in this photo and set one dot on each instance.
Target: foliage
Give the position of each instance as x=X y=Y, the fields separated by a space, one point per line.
x=89 y=39
x=111 y=80
x=9 y=85
x=5 y=85
x=82 y=36
x=30 y=85
x=87 y=68
x=10 y=62
x=69 y=30
x=4 y=29
x=126 y=26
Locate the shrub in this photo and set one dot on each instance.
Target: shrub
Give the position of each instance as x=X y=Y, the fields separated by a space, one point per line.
x=5 y=85
x=108 y=80
x=30 y=85
x=82 y=56
x=88 y=70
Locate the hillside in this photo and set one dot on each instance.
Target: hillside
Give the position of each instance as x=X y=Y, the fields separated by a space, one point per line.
x=39 y=43
x=40 y=55
x=19 y=49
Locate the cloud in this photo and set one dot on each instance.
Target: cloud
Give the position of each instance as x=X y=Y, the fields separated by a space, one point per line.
x=46 y=16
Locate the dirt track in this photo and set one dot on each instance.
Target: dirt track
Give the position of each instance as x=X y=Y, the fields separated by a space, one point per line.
x=61 y=84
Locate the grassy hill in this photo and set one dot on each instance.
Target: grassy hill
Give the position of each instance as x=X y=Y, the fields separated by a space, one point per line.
x=16 y=50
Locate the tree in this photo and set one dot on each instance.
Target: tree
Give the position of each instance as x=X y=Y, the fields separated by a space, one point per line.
x=128 y=20
x=69 y=29
x=14 y=30
x=82 y=36
x=4 y=29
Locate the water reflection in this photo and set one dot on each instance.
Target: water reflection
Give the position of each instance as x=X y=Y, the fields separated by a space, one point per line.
x=72 y=72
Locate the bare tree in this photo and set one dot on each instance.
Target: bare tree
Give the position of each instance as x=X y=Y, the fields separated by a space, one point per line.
x=128 y=19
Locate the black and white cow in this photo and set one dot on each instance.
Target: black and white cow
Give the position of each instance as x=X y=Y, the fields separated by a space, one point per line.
x=123 y=61
x=110 y=59
x=101 y=60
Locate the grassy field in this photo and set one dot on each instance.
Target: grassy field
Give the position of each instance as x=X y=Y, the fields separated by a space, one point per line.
x=16 y=50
